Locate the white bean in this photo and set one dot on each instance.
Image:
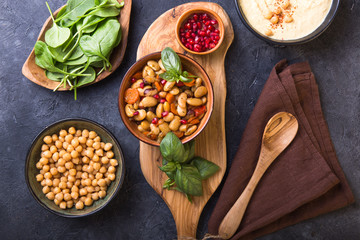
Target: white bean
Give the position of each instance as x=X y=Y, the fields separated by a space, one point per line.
x=141 y=116
x=182 y=100
x=148 y=102
x=129 y=110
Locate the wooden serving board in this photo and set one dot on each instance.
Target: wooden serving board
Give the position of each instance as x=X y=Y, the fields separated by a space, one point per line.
x=211 y=143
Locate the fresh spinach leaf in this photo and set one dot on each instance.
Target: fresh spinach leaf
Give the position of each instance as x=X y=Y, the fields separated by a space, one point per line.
x=205 y=167
x=171 y=60
x=106 y=12
x=56 y=35
x=171 y=148
x=75 y=9
x=90 y=46
x=107 y=35
x=88 y=79
x=77 y=53
x=54 y=76
x=83 y=59
x=188 y=179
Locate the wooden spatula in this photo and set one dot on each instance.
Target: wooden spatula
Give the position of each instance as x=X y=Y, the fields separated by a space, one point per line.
x=278 y=134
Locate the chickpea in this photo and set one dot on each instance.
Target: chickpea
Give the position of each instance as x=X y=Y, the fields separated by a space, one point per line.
x=288 y=19
x=83 y=191
x=102 y=194
x=61 y=169
x=58 y=144
x=39 y=177
x=88 y=201
x=114 y=162
x=274 y=19
x=74 y=195
x=79 y=205
x=79 y=149
x=68 y=138
x=48 y=182
x=53 y=149
x=111 y=169
x=95 y=196
x=69 y=184
x=105 y=160
x=108 y=146
x=92 y=134
x=78 y=133
x=57 y=190
x=102 y=170
x=110 y=154
x=70 y=148
x=50 y=195
x=47 y=139
x=48 y=175
x=69 y=204
x=67 y=157
x=59 y=196
x=72 y=130
x=97 y=139
x=46 y=189
x=55 y=157
x=82 y=140
x=99 y=152
x=111 y=177
x=47 y=154
x=101 y=182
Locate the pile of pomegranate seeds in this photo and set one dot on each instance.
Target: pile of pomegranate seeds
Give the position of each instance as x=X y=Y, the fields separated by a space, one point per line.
x=200 y=32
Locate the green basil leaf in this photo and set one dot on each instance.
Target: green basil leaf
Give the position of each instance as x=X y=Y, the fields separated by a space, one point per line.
x=169 y=167
x=188 y=75
x=188 y=179
x=171 y=148
x=205 y=167
x=169 y=76
x=185 y=79
x=171 y=60
x=189 y=150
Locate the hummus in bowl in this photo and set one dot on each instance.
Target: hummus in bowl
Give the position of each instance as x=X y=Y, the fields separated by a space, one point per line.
x=285 y=19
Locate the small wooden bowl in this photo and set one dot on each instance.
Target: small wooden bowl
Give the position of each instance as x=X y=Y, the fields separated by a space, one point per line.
x=37 y=75
x=186 y=15
x=191 y=66
x=34 y=155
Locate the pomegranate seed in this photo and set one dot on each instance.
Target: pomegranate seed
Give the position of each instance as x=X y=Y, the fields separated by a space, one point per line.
x=206 y=45
x=155 y=120
x=183 y=121
x=217 y=31
x=191 y=41
x=211 y=28
x=207 y=23
x=208 y=32
x=213 y=22
x=193 y=35
x=187 y=35
x=205 y=16
x=195 y=26
x=215 y=42
x=212 y=45
x=196 y=17
x=156 y=96
x=217 y=38
x=164 y=114
x=183 y=40
x=180 y=84
x=197 y=39
x=202 y=33
x=182 y=34
x=133 y=80
x=187 y=26
x=142 y=85
x=188 y=45
x=163 y=82
x=198 y=24
x=162 y=100
x=136 y=113
x=182 y=30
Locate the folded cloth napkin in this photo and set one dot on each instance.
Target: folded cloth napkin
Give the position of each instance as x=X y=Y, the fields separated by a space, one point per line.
x=305 y=181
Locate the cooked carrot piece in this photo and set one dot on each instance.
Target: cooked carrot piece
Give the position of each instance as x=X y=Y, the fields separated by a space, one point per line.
x=190 y=84
x=200 y=110
x=179 y=134
x=170 y=98
x=137 y=75
x=194 y=121
x=131 y=95
x=158 y=86
x=173 y=109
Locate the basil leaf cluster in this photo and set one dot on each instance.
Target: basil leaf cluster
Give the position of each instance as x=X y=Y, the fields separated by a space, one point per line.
x=81 y=38
x=172 y=63
x=185 y=171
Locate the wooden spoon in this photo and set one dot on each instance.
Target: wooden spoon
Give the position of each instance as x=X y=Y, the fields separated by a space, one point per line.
x=37 y=75
x=278 y=134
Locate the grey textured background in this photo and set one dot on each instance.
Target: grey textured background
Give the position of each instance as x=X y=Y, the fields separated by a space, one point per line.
x=138 y=212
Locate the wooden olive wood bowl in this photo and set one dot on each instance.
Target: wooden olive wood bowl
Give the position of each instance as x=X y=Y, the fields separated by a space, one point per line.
x=189 y=65
x=37 y=75
x=33 y=157
x=186 y=15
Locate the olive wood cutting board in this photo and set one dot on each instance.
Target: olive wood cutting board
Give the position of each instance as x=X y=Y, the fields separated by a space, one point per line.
x=37 y=75
x=211 y=143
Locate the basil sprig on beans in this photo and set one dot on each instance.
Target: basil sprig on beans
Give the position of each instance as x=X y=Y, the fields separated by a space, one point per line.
x=185 y=171
x=172 y=63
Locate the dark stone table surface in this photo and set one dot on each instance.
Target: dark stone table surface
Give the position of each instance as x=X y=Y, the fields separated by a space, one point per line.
x=138 y=212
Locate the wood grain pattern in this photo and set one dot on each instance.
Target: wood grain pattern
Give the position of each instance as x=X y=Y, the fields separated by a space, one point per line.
x=37 y=75
x=278 y=134
x=210 y=144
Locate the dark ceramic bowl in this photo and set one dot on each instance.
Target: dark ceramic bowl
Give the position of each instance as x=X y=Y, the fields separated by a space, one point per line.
x=323 y=26
x=34 y=155
x=190 y=65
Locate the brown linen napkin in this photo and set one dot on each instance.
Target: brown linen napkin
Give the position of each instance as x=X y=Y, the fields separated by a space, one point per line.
x=305 y=181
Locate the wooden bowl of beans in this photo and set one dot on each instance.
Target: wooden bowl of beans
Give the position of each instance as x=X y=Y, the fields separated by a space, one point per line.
x=74 y=167
x=162 y=106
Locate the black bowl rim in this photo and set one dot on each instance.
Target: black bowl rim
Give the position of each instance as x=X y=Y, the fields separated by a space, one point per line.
x=155 y=53
x=28 y=160
x=286 y=42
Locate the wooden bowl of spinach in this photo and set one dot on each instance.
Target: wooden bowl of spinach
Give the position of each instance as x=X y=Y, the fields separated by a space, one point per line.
x=85 y=45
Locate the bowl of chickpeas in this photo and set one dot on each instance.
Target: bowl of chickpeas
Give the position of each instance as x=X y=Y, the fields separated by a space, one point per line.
x=150 y=106
x=74 y=167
